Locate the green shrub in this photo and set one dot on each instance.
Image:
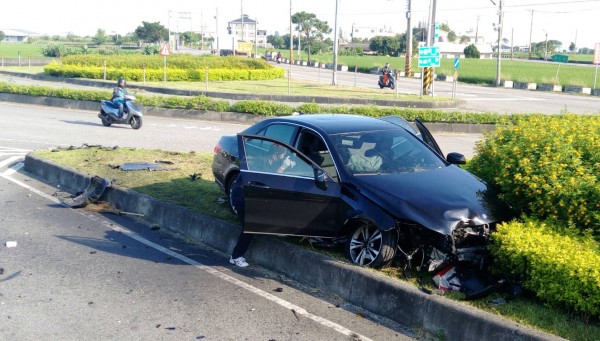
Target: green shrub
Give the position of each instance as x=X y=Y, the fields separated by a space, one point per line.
x=157 y=74
x=546 y=167
x=559 y=269
x=263 y=108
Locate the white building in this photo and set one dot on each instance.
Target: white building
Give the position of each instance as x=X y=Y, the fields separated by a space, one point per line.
x=17 y=36
x=367 y=32
x=244 y=29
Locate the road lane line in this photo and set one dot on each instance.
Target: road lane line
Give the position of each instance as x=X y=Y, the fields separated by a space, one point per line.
x=12 y=170
x=10 y=160
x=99 y=219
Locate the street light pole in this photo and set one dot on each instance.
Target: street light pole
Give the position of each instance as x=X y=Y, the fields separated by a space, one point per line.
x=409 y=39
x=546 y=49
x=530 y=31
x=291 y=47
x=335 y=44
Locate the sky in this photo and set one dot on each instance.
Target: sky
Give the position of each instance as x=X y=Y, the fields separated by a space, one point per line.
x=567 y=21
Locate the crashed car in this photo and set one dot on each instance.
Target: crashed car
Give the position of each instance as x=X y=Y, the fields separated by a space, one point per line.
x=379 y=186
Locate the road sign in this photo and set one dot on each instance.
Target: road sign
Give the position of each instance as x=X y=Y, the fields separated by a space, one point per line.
x=164 y=51
x=597 y=54
x=456 y=63
x=560 y=58
x=429 y=56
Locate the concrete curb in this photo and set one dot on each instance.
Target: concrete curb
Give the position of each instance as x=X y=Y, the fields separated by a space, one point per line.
x=381 y=295
x=240 y=97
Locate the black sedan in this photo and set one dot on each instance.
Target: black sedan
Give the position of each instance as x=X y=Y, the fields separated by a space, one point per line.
x=379 y=186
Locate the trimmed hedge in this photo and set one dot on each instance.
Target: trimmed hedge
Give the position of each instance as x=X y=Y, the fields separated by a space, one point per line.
x=157 y=74
x=261 y=107
x=559 y=269
x=547 y=167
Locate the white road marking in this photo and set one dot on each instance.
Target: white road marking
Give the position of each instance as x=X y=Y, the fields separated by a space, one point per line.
x=299 y=310
x=10 y=160
x=12 y=170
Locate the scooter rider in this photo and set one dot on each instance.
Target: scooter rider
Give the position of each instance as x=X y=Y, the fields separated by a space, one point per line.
x=118 y=97
x=386 y=72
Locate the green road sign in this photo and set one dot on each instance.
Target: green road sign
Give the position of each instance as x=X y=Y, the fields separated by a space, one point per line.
x=560 y=58
x=429 y=56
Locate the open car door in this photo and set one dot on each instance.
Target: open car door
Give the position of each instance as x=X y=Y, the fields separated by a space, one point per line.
x=428 y=138
x=296 y=199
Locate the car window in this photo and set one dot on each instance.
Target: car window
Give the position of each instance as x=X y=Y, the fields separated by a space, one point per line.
x=311 y=145
x=388 y=151
x=281 y=132
x=271 y=157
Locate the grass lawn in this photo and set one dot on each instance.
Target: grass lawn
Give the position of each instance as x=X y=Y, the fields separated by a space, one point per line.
x=12 y=50
x=203 y=195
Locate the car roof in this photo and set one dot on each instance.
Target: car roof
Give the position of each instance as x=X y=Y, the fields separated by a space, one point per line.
x=337 y=123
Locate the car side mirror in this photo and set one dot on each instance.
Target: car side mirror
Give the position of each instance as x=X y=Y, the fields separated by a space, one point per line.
x=320 y=178
x=456 y=159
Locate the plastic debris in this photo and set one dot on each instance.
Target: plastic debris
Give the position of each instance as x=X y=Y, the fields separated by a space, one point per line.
x=448 y=279
x=11 y=244
x=91 y=193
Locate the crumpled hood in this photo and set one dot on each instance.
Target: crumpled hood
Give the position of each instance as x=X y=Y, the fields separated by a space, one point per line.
x=437 y=199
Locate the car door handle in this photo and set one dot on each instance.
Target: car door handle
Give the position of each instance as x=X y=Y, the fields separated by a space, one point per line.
x=257 y=185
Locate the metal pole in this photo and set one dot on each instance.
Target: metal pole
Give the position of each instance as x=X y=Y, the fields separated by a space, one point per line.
x=499 y=56
x=409 y=39
x=256 y=38
x=242 y=10
x=291 y=46
x=546 y=48
x=530 y=31
x=335 y=44
x=217 y=27
x=164 y=68
x=595 y=76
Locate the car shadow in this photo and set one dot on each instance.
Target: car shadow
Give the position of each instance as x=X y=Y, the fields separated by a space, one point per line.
x=85 y=123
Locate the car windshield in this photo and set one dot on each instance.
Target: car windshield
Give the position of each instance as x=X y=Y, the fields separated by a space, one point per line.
x=384 y=152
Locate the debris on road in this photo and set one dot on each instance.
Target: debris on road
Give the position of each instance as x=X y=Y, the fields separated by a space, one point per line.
x=105 y=207
x=11 y=244
x=91 y=193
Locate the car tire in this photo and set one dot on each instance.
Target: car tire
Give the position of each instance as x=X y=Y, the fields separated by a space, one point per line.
x=230 y=186
x=369 y=246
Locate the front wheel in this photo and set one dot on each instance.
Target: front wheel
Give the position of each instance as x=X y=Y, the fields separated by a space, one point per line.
x=393 y=86
x=369 y=246
x=135 y=122
x=231 y=199
x=106 y=123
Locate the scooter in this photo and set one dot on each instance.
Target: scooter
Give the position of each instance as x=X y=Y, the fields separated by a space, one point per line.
x=386 y=81
x=132 y=115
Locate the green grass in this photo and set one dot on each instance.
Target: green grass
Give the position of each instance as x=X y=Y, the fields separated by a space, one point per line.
x=202 y=196
x=12 y=50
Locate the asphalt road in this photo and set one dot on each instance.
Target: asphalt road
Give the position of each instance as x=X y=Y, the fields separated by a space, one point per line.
x=80 y=275
x=476 y=98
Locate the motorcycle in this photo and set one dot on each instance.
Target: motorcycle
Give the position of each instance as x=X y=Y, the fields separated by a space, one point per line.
x=386 y=80
x=132 y=115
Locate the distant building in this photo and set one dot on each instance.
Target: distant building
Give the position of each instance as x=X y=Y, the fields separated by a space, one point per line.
x=17 y=36
x=365 y=32
x=244 y=29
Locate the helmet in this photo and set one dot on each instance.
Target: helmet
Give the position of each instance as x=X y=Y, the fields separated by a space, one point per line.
x=121 y=80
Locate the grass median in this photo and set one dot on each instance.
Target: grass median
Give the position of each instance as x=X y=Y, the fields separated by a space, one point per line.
x=176 y=185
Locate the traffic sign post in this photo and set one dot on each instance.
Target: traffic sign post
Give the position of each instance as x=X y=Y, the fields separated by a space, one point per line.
x=596 y=62
x=455 y=76
x=429 y=57
x=164 y=51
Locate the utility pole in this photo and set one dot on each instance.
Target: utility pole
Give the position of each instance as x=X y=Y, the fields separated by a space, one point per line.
x=530 y=31
x=546 y=49
x=499 y=56
x=477 y=31
x=291 y=57
x=409 y=39
x=335 y=44
x=217 y=27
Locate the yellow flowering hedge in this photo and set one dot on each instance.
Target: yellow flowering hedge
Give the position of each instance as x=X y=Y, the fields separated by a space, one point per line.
x=559 y=269
x=157 y=74
x=546 y=167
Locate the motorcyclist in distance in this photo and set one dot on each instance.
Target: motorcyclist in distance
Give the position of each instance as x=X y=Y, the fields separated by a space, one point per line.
x=386 y=73
x=118 y=97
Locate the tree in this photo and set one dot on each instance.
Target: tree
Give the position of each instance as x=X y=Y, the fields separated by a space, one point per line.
x=276 y=40
x=572 y=47
x=471 y=51
x=312 y=28
x=464 y=39
x=452 y=36
x=190 y=37
x=100 y=37
x=2 y=35
x=445 y=27
x=385 y=46
x=152 y=32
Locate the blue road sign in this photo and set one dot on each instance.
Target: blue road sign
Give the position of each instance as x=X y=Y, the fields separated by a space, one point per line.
x=456 y=63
